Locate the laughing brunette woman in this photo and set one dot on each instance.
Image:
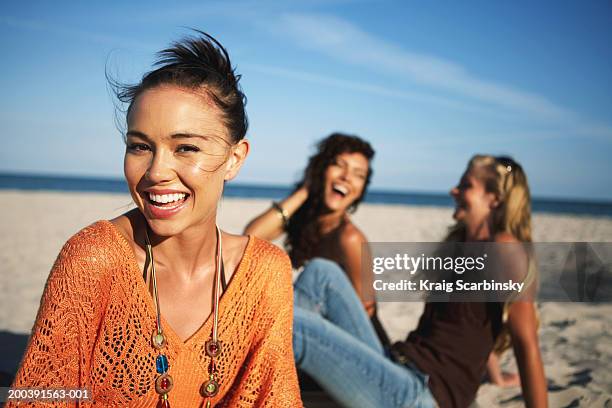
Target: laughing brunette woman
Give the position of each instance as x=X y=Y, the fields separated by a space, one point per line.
x=316 y=219
x=159 y=307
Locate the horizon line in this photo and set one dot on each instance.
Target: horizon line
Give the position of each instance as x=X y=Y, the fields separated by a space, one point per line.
x=392 y=191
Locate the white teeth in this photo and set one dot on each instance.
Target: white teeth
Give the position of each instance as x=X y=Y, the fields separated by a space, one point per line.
x=166 y=198
x=341 y=188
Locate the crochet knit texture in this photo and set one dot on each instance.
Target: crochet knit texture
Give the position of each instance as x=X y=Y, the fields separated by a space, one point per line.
x=96 y=318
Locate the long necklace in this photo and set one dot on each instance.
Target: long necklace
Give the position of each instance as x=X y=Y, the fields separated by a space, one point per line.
x=164 y=382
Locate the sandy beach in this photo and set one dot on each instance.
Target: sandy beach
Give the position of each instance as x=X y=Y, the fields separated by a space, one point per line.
x=575 y=339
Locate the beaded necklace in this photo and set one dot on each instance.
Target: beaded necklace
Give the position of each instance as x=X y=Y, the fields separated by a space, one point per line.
x=164 y=382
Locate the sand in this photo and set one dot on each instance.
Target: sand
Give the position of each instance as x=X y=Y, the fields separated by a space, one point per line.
x=575 y=340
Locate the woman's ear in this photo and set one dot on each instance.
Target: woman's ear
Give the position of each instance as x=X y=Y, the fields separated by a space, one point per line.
x=494 y=200
x=238 y=154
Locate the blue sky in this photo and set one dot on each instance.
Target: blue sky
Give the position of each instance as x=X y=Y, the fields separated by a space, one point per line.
x=428 y=83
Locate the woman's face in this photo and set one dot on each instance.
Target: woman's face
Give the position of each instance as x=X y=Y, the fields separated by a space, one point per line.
x=178 y=155
x=345 y=180
x=473 y=204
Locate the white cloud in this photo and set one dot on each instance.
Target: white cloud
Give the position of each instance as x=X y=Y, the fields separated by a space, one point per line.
x=368 y=88
x=344 y=41
x=347 y=43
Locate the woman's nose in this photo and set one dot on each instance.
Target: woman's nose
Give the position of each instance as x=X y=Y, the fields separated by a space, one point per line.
x=160 y=168
x=454 y=192
x=344 y=174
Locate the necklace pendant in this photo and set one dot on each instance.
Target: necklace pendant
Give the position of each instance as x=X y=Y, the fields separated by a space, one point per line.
x=213 y=348
x=158 y=340
x=164 y=384
x=210 y=388
x=161 y=364
x=208 y=404
x=163 y=403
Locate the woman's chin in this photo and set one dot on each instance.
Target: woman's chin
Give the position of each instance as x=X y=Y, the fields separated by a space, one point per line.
x=458 y=214
x=164 y=228
x=334 y=205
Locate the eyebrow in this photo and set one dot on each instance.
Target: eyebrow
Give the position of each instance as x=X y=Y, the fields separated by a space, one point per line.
x=188 y=136
x=181 y=135
x=355 y=169
x=136 y=133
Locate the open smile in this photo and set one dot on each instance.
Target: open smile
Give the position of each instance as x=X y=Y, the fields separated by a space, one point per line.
x=164 y=204
x=340 y=190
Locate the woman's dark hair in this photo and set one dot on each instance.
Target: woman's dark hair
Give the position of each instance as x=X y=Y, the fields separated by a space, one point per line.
x=303 y=233
x=197 y=63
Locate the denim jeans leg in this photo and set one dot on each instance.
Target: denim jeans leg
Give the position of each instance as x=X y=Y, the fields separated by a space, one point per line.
x=351 y=372
x=324 y=288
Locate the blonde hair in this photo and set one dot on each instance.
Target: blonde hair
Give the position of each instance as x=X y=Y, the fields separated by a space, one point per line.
x=506 y=179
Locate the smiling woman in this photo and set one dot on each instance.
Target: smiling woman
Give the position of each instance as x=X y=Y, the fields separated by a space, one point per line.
x=159 y=306
x=176 y=146
x=316 y=213
x=316 y=216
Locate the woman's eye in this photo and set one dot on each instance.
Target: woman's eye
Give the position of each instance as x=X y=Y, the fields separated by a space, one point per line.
x=187 y=148
x=137 y=147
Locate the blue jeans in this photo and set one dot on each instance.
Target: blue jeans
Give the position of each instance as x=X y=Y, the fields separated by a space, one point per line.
x=334 y=342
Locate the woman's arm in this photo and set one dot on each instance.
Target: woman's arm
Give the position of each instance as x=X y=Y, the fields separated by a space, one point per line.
x=355 y=250
x=59 y=350
x=269 y=224
x=522 y=323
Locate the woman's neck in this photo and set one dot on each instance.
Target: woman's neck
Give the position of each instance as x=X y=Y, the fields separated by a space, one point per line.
x=482 y=231
x=187 y=253
x=330 y=221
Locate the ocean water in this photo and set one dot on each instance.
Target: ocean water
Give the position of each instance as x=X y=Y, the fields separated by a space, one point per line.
x=109 y=185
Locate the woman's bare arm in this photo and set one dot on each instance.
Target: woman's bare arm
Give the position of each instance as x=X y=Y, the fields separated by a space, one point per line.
x=353 y=244
x=522 y=323
x=269 y=224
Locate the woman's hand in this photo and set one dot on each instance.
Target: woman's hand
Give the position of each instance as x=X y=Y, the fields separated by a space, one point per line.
x=510 y=380
x=499 y=377
x=302 y=192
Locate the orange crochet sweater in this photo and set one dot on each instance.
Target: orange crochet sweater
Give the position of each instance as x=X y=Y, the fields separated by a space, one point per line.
x=96 y=318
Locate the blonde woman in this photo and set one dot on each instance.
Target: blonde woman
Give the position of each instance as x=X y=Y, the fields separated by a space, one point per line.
x=443 y=360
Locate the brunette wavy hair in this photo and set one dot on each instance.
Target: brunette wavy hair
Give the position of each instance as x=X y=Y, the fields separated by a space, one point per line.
x=303 y=232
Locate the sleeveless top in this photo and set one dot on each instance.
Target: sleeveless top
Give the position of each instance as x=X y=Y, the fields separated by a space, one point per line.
x=451 y=344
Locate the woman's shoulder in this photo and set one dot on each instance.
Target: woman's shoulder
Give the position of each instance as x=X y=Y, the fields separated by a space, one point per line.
x=96 y=236
x=97 y=245
x=504 y=237
x=511 y=250
x=350 y=235
x=269 y=274
x=265 y=252
x=267 y=262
